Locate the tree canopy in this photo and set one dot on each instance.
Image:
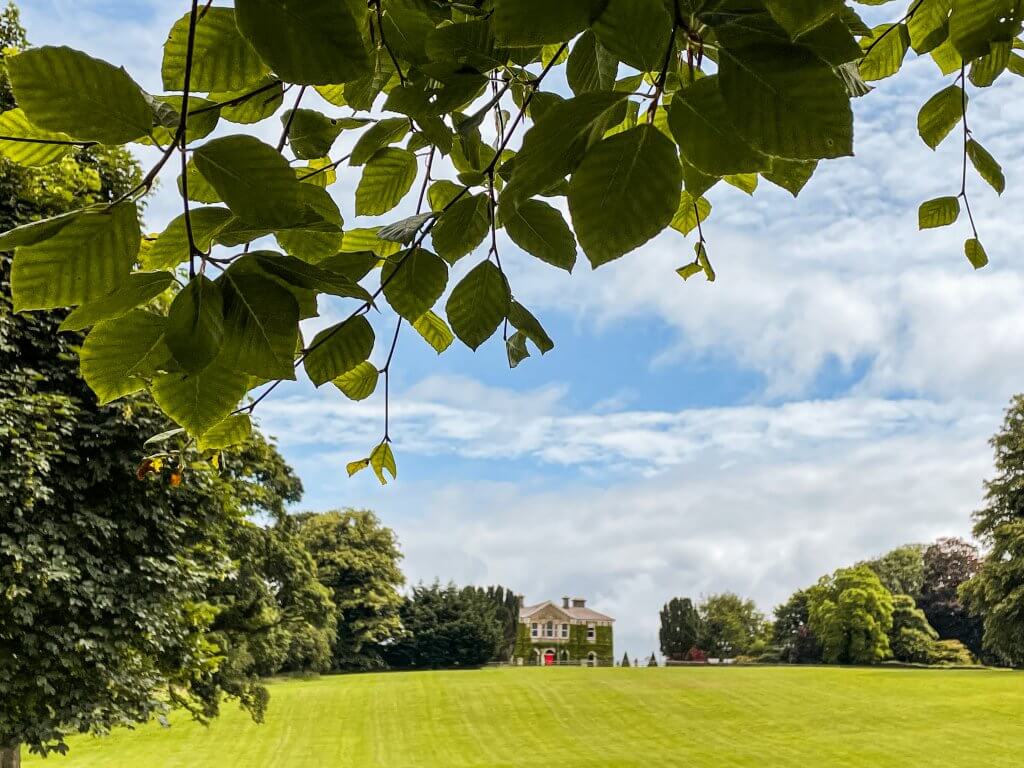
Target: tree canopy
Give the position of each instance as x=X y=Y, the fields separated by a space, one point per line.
x=507 y=112
x=851 y=614
x=680 y=628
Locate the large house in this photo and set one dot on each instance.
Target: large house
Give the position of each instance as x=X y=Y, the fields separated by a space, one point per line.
x=567 y=634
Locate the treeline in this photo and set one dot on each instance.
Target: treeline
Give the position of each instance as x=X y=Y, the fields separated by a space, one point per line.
x=942 y=603
x=321 y=592
x=904 y=606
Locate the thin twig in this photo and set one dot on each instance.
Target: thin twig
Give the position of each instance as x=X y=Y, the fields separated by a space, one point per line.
x=58 y=142
x=967 y=138
x=181 y=138
x=291 y=118
x=384 y=42
x=907 y=17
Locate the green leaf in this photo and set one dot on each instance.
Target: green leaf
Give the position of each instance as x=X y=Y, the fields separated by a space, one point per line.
x=703 y=262
x=33 y=151
x=555 y=144
x=791 y=175
x=311 y=42
x=204 y=116
x=354 y=467
x=515 y=347
x=940 y=114
x=386 y=179
x=311 y=134
x=199 y=189
x=886 y=57
x=698 y=121
x=360 y=382
x=37 y=231
x=232 y=431
x=367 y=239
x=406 y=26
x=140 y=288
x=540 y=230
x=195 y=324
x=377 y=136
x=985 y=70
x=590 y=66
x=413 y=282
x=61 y=89
x=461 y=228
x=222 y=59
x=975 y=253
x=382 y=459
x=254 y=180
x=745 y=182
x=975 y=24
x=529 y=327
x=118 y=355
x=986 y=166
x=261 y=324
x=321 y=235
x=929 y=26
x=200 y=401
x=171 y=247
x=251 y=104
x=404 y=230
x=524 y=23
x=689 y=270
x=435 y=331
x=798 y=17
x=625 y=192
x=310 y=276
x=88 y=257
x=478 y=304
x=686 y=218
x=339 y=349
x=783 y=99
x=637 y=32
x=940 y=212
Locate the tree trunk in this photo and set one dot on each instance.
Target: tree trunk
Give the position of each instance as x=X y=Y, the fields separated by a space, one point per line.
x=10 y=757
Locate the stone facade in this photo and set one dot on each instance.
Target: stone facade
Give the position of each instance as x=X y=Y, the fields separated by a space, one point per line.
x=566 y=633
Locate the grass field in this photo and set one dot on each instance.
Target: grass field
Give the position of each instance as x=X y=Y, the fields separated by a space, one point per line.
x=694 y=717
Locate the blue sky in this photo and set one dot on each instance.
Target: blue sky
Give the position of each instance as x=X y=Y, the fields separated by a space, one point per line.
x=829 y=397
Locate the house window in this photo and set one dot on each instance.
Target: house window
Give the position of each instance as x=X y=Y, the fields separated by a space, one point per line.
x=591 y=633
x=534 y=630
x=549 y=629
x=565 y=630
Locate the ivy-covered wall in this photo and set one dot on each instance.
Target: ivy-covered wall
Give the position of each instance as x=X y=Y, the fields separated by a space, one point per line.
x=577 y=645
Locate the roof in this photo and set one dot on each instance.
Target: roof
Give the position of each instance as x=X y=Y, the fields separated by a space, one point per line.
x=580 y=614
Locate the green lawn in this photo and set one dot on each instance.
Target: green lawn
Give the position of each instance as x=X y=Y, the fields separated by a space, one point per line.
x=691 y=717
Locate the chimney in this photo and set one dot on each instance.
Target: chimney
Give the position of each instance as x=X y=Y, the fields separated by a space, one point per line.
x=565 y=601
x=578 y=602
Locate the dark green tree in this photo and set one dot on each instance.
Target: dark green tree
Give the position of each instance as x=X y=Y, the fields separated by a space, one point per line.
x=625 y=660
x=445 y=626
x=357 y=559
x=680 y=628
x=792 y=633
x=901 y=571
x=729 y=625
x=949 y=563
x=850 y=613
x=996 y=593
x=506 y=606
x=653 y=661
x=912 y=638
x=274 y=614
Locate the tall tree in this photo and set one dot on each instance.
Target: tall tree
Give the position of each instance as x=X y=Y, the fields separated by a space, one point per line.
x=357 y=559
x=901 y=571
x=739 y=92
x=445 y=626
x=996 y=593
x=680 y=628
x=949 y=563
x=850 y=613
x=506 y=606
x=105 y=613
x=912 y=638
x=729 y=625
x=792 y=632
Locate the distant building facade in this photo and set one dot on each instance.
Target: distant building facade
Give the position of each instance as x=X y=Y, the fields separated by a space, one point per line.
x=570 y=633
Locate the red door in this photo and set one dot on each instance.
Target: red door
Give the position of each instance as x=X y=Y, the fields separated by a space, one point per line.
x=549 y=659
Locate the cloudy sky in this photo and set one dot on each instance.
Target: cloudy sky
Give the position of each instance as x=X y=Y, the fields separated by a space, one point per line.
x=828 y=398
